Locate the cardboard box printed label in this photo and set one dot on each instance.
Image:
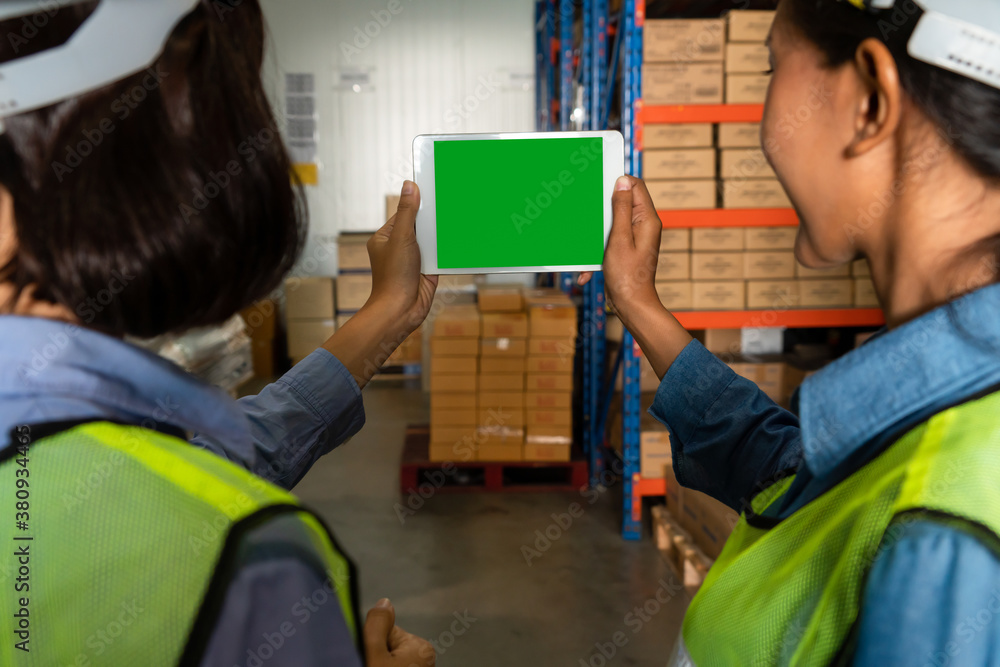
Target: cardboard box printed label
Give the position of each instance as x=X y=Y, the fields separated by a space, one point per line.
x=744 y=163
x=503 y=347
x=684 y=163
x=773 y=294
x=550 y=365
x=754 y=193
x=549 y=435
x=771 y=238
x=690 y=83
x=548 y=382
x=675 y=240
x=827 y=293
x=309 y=299
x=683 y=195
x=723 y=341
x=747 y=88
x=762 y=265
x=454 y=347
x=552 y=347
x=716 y=239
x=505 y=325
x=717 y=266
x=723 y=295
x=683 y=40
x=535 y=417
x=747 y=58
x=673 y=266
x=677 y=135
x=738 y=135
x=676 y=295
x=750 y=25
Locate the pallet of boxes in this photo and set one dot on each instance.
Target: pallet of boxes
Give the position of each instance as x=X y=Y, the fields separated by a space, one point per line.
x=454 y=382
x=310 y=307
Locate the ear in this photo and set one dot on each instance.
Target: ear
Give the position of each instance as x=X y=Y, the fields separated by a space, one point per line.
x=879 y=98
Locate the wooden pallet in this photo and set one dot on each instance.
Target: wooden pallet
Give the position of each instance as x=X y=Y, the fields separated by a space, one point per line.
x=688 y=562
x=416 y=472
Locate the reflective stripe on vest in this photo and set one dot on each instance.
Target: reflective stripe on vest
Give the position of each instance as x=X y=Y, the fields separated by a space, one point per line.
x=132 y=533
x=789 y=592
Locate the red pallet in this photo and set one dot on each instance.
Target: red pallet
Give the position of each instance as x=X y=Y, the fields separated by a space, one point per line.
x=484 y=476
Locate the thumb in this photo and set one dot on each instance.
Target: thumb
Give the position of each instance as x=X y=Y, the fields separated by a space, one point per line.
x=405 y=225
x=378 y=626
x=621 y=207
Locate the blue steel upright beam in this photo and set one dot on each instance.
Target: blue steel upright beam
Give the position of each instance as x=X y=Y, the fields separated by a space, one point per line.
x=631 y=387
x=565 y=63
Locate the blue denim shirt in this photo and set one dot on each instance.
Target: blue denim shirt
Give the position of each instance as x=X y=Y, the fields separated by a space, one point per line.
x=55 y=372
x=933 y=597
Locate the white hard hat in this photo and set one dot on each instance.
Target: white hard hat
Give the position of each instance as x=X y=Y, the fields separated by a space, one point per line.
x=120 y=38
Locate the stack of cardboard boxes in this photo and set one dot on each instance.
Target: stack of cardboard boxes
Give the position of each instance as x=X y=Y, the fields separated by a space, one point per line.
x=309 y=315
x=747 y=57
x=262 y=327
x=454 y=376
x=354 y=282
x=552 y=319
x=500 y=425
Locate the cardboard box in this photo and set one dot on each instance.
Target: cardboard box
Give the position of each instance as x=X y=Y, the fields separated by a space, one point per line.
x=717 y=239
x=738 y=135
x=442 y=453
x=755 y=193
x=262 y=320
x=747 y=88
x=677 y=135
x=457 y=322
x=674 y=491
x=499 y=417
x=306 y=336
x=654 y=453
x=673 y=266
x=455 y=347
x=708 y=521
x=505 y=325
x=262 y=354
x=410 y=352
x=353 y=290
x=864 y=294
x=503 y=347
x=723 y=341
x=391 y=206
x=772 y=294
x=683 y=40
x=550 y=365
x=546 y=452
x=675 y=240
x=443 y=382
x=676 y=295
x=509 y=452
x=533 y=417
x=826 y=293
x=452 y=401
x=683 y=163
x=749 y=25
x=342 y=319
x=843 y=271
x=764 y=265
x=310 y=299
x=717 y=266
x=501 y=299
x=502 y=365
x=551 y=317
x=501 y=401
x=747 y=58
x=744 y=163
x=551 y=347
x=549 y=435
x=454 y=417
x=548 y=382
x=771 y=238
x=352 y=252
x=501 y=382
x=861 y=268
x=721 y=295
x=452 y=435
x=779 y=381
x=454 y=365
x=683 y=195
x=549 y=400
x=688 y=83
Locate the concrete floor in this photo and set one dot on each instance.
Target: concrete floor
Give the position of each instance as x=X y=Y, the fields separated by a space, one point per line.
x=461 y=554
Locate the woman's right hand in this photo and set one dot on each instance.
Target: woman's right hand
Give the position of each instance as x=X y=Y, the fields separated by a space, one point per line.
x=388 y=645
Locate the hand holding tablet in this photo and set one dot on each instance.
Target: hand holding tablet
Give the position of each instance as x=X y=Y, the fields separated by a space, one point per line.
x=515 y=203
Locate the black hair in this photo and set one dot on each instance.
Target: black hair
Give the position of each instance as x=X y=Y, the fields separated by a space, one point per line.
x=964 y=109
x=161 y=202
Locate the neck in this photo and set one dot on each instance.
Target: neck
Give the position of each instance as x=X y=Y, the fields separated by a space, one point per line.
x=935 y=244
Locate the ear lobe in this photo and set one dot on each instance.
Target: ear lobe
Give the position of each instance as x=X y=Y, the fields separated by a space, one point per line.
x=879 y=97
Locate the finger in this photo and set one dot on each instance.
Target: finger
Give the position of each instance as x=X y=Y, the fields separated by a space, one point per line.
x=647 y=227
x=406 y=213
x=378 y=627
x=621 y=207
x=584 y=278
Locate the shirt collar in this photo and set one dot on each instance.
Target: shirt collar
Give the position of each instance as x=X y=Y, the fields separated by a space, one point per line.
x=947 y=355
x=52 y=371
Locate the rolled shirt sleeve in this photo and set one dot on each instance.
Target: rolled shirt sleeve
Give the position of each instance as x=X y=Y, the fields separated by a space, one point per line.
x=304 y=415
x=728 y=439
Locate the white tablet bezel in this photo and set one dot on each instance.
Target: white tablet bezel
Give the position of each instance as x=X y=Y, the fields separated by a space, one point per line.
x=423 y=172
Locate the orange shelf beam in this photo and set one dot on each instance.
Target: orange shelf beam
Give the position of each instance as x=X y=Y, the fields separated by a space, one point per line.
x=648 y=487
x=800 y=319
x=699 y=113
x=730 y=217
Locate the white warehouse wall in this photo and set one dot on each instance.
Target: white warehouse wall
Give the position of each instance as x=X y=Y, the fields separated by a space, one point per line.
x=435 y=66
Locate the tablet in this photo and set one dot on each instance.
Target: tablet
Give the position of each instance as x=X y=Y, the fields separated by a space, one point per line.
x=515 y=203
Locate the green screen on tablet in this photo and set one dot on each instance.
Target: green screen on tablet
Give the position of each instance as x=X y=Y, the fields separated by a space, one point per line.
x=519 y=202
